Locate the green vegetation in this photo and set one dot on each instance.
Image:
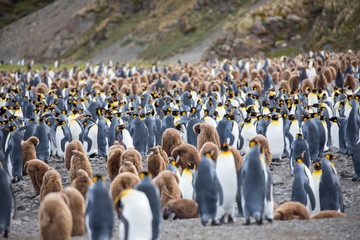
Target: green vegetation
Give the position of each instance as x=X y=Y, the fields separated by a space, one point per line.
x=19 y=9
x=9 y=67
x=287 y=51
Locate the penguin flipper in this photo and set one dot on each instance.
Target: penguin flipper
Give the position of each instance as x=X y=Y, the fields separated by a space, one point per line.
x=269 y=183
x=13 y=195
x=63 y=142
x=289 y=136
x=89 y=141
x=232 y=138
x=126 y=226
x=241 y=140
x=339 y=191
x=51 y=136
x=238 y=195
x=219 y=189
x=311 y=195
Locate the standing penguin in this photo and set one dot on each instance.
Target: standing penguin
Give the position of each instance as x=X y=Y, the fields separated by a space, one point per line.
x=275 y=135
x=208 y=190
x=63 y=137
x=99 y=216
x=152 y=192
x=331 y=196
x=302 y=190
x=139 y=134
x=135 y=215
x=226 y=173
x=45 y=134
x=316 y=175
x=255 y=194
x=299 y=146
x=356 y=162
x=13 y=154
x=186 y=183
x=6 y=201
x=311 y=135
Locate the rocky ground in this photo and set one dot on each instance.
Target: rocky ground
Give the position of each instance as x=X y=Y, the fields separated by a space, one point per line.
x=25 y=225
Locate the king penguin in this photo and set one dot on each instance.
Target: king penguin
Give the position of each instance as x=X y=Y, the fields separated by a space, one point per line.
x=153 y=195
x=302 y=191
x=135 y=215
x=226 y=172
x=275 y=135
x=6 y=201
x=316 y=175
x=356 y=162
x=255 y=195
x=208 y=191
x=298 y=147
x=186 y=183
x=99 y=216
x=331 y=196
x=13 y=154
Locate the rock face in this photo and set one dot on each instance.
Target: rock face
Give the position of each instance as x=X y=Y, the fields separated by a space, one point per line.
x=45 y=34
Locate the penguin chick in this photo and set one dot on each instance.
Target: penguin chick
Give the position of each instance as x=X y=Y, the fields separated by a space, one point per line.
x=284 y=85
x=113 y=162
x=237 y=158
x=28 y=149
x=186 y=153
x=79 y=161
x=135 y=215
x=163 y=155
x=294 y=83
x=168 y=184
x=264 y=143
x=55 y=220
x=115 y=146
x=210 y=147
x=291 y=210
x=134 y=156
x=181 y=209
x=350 y=82
x=77 y=208
x=121 y=182
x=73 y=145
x=36 y=170
x=82 y=182
x=128 y=167
x=155 y=162
x=207 y=133
x=171 y=138
x=328 y=214
x=51 y=183
x=307 y=85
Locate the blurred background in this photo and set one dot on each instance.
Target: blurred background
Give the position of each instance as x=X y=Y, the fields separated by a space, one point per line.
x=170 y=30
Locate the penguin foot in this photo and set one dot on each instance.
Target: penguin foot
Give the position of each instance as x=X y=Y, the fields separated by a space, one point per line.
x=204 y=223
x=214 y=223
x=247 y=222
x=6 y=233
x=259 y=222
x=276 y=160
x=356 y=177
x=222 y=220
x=230 y=219
x=93 y=155
x=269 y=220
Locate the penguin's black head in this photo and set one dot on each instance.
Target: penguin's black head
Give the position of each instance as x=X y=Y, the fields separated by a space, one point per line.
x=291 y=117
x=98 y=177
x=317 y=165
x=144 y=174
x=178 y=127
x=330 y=156
x=299 y=135
x=224 y=147
x=190 y=166
x=333 y=119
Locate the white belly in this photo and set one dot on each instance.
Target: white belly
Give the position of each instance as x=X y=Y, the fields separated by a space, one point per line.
x=334 y=130
x=275 y=136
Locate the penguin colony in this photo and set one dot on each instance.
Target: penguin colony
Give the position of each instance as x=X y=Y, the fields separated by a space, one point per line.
x=210 y=131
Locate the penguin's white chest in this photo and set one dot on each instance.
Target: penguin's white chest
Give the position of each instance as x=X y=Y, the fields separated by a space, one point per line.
x=226 y=173
x=59 y=135
x=75 y=130
x=275 y=136
x=247 y=132
x=316 y=177
x=335 y=135
x=186 y=185
x=127 y=139
x=139 y=217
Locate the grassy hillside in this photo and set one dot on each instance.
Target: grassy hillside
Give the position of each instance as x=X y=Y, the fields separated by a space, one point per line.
x=282 y=27
x=12 y=10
